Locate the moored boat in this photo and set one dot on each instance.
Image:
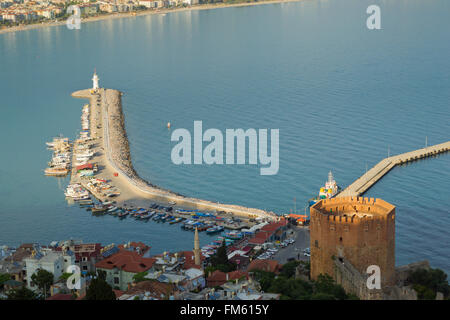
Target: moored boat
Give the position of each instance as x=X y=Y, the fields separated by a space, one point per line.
x=214 y=229
x=99 y=209
x=330 y=190
x=57 y=172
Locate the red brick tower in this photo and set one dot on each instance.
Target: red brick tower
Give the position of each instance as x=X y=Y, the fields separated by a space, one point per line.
x=361 y=230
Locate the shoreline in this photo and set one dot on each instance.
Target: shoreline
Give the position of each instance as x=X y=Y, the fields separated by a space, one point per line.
x=108 y=16
x=116 y=158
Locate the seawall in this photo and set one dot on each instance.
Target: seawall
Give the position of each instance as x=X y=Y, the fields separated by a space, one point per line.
x=117 y=156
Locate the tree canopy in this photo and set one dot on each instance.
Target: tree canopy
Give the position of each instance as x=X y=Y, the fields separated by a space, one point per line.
x=43 y=279
x=4 y=277
x=65 y=276
x=428 y=282
x=140 y=276
x=22 y=293
x=289 y=268
x=220 y=261
x=290 y=288
x=99 y=289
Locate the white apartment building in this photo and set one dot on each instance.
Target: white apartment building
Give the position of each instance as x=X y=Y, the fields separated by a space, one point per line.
x=55 y=262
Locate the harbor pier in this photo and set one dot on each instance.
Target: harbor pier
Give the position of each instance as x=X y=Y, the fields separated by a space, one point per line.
x=367 y=180
x=113 y=158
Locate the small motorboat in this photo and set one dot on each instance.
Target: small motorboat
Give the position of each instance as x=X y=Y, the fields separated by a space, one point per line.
x=214 y=229
x=123 y=214
x=99 y=209
x=112 y=209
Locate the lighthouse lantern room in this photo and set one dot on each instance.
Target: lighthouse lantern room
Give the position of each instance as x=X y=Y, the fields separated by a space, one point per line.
x=95 y=81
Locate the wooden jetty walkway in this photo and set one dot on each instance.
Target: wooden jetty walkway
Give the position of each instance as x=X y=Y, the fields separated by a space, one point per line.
x=371 y=177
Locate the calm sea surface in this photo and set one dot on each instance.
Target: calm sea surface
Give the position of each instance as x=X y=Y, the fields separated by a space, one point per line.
x=339 y=93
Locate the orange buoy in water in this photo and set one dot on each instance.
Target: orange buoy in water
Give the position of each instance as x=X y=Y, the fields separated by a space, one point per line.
x=168 y=125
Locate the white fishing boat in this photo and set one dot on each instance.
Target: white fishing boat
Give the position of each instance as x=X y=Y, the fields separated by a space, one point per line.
x=58 y=166
x=76 y=191
x=82 y=158
x=112 y=209
x=56 y=141
x=85 y=154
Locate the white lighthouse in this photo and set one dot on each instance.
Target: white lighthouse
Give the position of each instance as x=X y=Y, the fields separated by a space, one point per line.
x=95 y=81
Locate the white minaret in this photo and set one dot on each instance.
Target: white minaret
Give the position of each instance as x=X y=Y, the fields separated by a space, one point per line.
x=95 y=81
x=197 y=259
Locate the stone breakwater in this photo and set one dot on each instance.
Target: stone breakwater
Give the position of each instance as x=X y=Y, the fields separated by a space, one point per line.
x=117 y=141
x=119 y=149
x=117 y=155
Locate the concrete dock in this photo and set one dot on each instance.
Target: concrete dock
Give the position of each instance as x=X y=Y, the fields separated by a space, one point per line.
x=371 y=177
x=113 y=157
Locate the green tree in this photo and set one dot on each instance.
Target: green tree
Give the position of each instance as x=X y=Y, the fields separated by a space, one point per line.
x=209 y=270
x=65 y=276
x=43 y=279
x=99 y=289
x=21 y=293
x=4 y=277
x=306 y=266
x=424 y=293
x=265 y=279
x=290 y=288
x=221 y=256
x=325 y=285
x=140 y=276
x=288 y=269
x=226 y=267
x=322 y=296
x=220 y=260
x=428 y=282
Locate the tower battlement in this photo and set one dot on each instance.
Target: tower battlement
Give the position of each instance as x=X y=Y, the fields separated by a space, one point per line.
x=353 y=209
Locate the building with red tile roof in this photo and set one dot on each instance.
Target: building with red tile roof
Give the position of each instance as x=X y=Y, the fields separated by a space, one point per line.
x=127 y=261
x=189 y=261
x=240 y=261
x=138 y=247
x=149 y=289
x=271 y=227
x=247 y=249
x=120 y=267
x=264 y=265
x=61 y=296
x=218 y=278
x=118 y=293
x=259 y=238
x=271 y=232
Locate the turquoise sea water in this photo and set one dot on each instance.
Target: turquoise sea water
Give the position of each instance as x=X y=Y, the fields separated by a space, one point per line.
x=339 y=93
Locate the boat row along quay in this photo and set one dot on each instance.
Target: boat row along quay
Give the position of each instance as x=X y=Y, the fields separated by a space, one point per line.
x=366 y=181
x=108 y=174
